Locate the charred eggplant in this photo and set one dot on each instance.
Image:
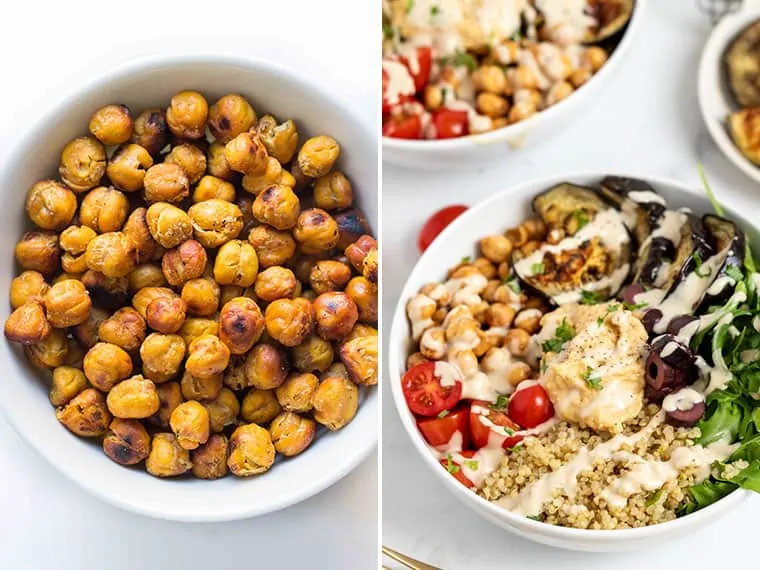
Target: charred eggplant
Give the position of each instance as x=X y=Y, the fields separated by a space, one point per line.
x=568 y=207
x=730 y=242
x=611 y=15
x=638 y=201
x=742 y=61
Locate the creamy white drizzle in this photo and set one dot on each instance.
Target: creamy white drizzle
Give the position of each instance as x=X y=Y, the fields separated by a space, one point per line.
x=447 y=373
x=399 y=82
x=646 y=196
x=682 y=400
x=566 y=20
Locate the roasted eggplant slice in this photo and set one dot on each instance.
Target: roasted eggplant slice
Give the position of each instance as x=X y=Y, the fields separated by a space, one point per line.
x=742 y=61
x=611 y=15
x=695 y=247
x=568 y=207
x=642 y=207
x=731 y=242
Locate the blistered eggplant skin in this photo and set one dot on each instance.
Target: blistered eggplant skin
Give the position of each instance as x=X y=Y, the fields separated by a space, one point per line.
x=686 y=418
x=616 y=189
x=613 y=17
x=651 y=259
x=557 y=206
x=675 y=325
x=742 y=61
x=696 y=242
x=727 y=237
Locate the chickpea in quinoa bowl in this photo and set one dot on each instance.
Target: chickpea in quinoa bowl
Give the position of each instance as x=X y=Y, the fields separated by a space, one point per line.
x=596 y=367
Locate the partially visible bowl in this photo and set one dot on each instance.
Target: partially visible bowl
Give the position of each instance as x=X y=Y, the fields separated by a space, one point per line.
x=24 y=394
x=508 y=208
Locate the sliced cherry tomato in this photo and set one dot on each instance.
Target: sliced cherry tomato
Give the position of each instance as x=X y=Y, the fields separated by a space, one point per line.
x=480 y=431
x=456 y=469
x=420 y=69
x=403 y=127
x=450 y=124
x=530 y=406
x=401 y=98
x=439 y=431
x=436 y=223
x=424 y=393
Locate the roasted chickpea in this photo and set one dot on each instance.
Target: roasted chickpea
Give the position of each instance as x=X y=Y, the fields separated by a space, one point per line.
x=83 y=163
x=137 y=230
x=39 y=251
x=113 y=254
x=335 y=402
x=230 y=116
x=222 y=410
x=201 y=297
x=289 y=321
x=133 y=398
x=125 y=328
x=190 y=424
x=281 y=141
x=168 y=225
x=329 y=275
x=28 y=324
x=104 y=209
x=360 y=330
x=127 y=442
x=166 y=182
x=241 y=324
x=335 y=314
x=266 y=367
x=260 y=182
x=190 y=158
x=127 y=168
x=146 y=275
x=211 y=187
x=27 y=287
x=87 y=333
x=111 y=124
x=169 y=397
x=291 y=433
x=251 y=451
x=316 y=231
x=74 y=239
x=294 y=395
x=360 y=357
x=195 y=327
x=162 y=355
x=333 y=191
x=145 y=296
x=183 y=263
x=86 y=414
x=67 y=304
x=246 y=154
x=277 y=206
x=260 y=406
x=51 y=205
x=313 y=354
x=217 y=163
x=339 y=369
x=363 y=256
x=275 y=283
x=195 y=388
x=234 y=376
x=167 y=458
x=317 y=156
x=187 y=115
x=67 y=383
x=166 y=314
x=210 y=459
x=151 y=131
x=364 y=294
x=272 y=247
x=287 y=179
x=351 y=226
x=51 y=352
x=236 y=264
x=216 y=221
x=207 y=356
x=105 y=292
x=106 y=364
x=73 y=264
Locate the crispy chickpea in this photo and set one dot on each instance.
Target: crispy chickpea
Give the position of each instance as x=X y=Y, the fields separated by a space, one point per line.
x=291 y=433
x=272 y=247
x=167 y=458
x=168 y=225
x=294 y=395
x=500 y=315
x=313 y=354
x=266 y=367
x=162 y=355
x=275 y=282
x=236 y=264
x=289 y=321
x=145 y=296
x=246 y=154
x=335 y=314
x=496 y=248
x=360 y=330
x=86 y=414
x=217 y=163
x=113 y=254
x=111 y=124
x=137 y=230
x=184 y=262
x=83 y=163
x=127 y=168
x=201 y=296
x=234 y=376
x=51 y=205
x=580 y=77
x=166 y=314
x=251 y=451
x=339 y=369
x=594 y=58
x=87 y=332
x=105 y=364
x=317 y=156
x=195 y=388
x=363 y=256
x=39 y=251
x=491 y=105
x=260 y=406
x=333 y=191
x=51 y=352
x=133 y=398
x=281 y=141
x=125 y=328
x=230 y=116
x=166 y=182
x=277 y=206
x=104 y=209
x=195 y=327
x=257 y=183
x=210 y=187
x=151 y=131
x=187 y=114
x=73 y=264
x=517 y=341
x=329 y=275
x=558 y=92
x=207 y=356
x=127 y=442
x=521 y=110
x=169 y=397
x=287 y=179
x=490 y=78
x=215 y=221
x=241 y=324
x=67 y=383
x=27 y=287
x=210 y=459
x=360 y=357
x=222 y=410
x=190 y=158
x=146 y=275
x=74 y=239
x=364 y=294
x=67 y=304
x=335 y=402
x=190 y=424
x=316 y=231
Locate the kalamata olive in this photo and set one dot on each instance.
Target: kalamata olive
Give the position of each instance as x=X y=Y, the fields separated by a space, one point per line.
x=678 y=323
x=650 y=318
x=685 y=418
x=629 y=292
x=674 y=352
x=665 y=377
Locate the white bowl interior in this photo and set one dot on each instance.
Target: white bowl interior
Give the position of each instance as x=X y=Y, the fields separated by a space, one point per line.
x=504 y=210
x=23 y=391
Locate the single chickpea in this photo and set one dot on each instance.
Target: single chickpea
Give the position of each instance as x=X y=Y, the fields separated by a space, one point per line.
x=521 y=111
x=241 y=324
x=230 y=116
x=111 y=124
x=536 y=228
x=363 y=256
x=558 y=92
x=74 y=239
x=360 y=357
x=195 y=327
x=364 y=295
x=113 y=254
x=145 y=275
x=287 y=179
x=266 y=367
x=86 y=414
x=313 y=354
x=210 y=459
x=127 y=442
x=190 y=424
x=51 y=205
x=360 y=330
x=195 y=388
x=294 y=395
x=517 y=341
x=246 y=154
x=275 y=282
x=580 y=77
x=166 y=314
x=281 y=141
x=433 y=97
x=27 y=287
x=66 y=384
x=168 y=225
x=190 y=159
x=167 y=458
x=523 y=77
x=260 y=406
x=67 y=304
x=316 y=231
x=236 y=264
x=491 y=79
x=318 y=155
x=333 y=191
x=289 y=321
x=210 y=187
x=125 y=328
x=127 y=168
x=277 y=206
x=222 y=410
x=530 y=247
x=594 y=58
x=255 y=184
x=217 y=163
x=28 y=324
x=335 y=402
x=83 y=163
x=169 y=397
x=518 y=236
x=106 y=364
x=151 y=131
x=329 y=275
x=104 y=209
x=496 y=248
x=336 y=369
x=207 y=356
x=529 y=320
x=500 y=315
x=491 y=105
x=166 y=182
x=39 y=251
x=335 y=314
x=215 y=222
x=51 y=352
x=272 y=247
x=133 y=398
x=518 y=372
x=201 y=296
x=251 y=451
x=187 y=114
x=137 y=230
x=291 y=433
x=162 y=355
x=185 y=262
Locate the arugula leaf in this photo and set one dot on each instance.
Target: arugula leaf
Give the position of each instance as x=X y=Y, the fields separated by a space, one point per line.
x=706 y=493
x=734 y=273
x=721 y=421
x=590 y=298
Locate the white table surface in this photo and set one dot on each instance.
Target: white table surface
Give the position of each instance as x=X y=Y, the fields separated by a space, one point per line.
x=648 y=122
x=47 y=48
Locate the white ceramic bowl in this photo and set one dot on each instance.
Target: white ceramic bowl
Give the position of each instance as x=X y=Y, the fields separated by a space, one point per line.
x=477 y=150
x=494 y=215
x=23 y=391
x=715 y=99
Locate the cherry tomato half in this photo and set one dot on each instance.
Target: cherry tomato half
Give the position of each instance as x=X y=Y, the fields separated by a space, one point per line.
x=530 y=406
x=420 y=68
x=423 y=391
x=436 y=223
x=403 y=127
x=450 y=124
x=480 y=432
x=439 y=431
x=453 y=467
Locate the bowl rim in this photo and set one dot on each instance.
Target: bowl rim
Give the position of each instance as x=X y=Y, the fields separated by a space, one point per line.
x=35 y=439
x=399 y=336
x=516 y=131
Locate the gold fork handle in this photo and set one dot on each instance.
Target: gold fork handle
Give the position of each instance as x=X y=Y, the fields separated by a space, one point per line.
x=410 y=563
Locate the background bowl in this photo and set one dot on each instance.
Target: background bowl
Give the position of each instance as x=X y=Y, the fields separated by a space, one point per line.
x=477 y=150
x=24 y=391
x=494 y=215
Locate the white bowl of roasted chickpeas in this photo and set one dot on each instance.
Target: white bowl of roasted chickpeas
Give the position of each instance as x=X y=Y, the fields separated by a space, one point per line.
x=192 y=321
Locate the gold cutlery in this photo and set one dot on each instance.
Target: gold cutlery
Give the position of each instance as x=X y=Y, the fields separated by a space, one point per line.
x=406 y=561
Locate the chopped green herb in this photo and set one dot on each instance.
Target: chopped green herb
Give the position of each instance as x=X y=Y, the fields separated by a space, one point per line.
x=564 y=333
x=544 y=366
x=537 y=268
x=434 y=10
x=539 y=518
x=389 y=32
x=581 y=218
x=634 y=306
x=515 y=447
x=611 y=309
x=409 y=5
x=654 y=498
x=514 y=286
x=451 y=467
x=734 y=273
x=466 y=259
x=600 y=321
x=443 y=414
x=463 y=58
x=552 y=345
x=590 y=298
x=509 y=431
x=592 y=379
x=471 y=464
x=500 y=404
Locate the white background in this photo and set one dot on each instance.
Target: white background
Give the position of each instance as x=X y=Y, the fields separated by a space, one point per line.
x=49 y=48
x=648 y=121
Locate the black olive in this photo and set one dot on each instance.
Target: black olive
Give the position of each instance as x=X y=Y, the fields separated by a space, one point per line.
x=674 y=352
x=650 y=319
x=629 y=292
x=678 y=323
x=686 y=418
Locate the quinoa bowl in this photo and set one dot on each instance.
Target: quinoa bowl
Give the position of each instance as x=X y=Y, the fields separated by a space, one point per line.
x=554 y=475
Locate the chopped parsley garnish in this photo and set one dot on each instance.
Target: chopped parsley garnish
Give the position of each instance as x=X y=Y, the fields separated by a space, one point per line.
x=409 y=5
x=500 y=404
x=634 y=306
x=539 y=518
x=581 y=218
x=508 y=430
x=466 y=259
x=734 y=273
x=443 y=414
x=544 y=366
x=515 y=447
x=537 y=268
x=471 y=464
x=698 y=261
x=514 y=286
x=564 y=333
x=462 y=58
x=590 y=298
x=611 y=309
x=389 y=32
x=451 y=467
x=653 y=500
x=434 y=10
x=592 y=379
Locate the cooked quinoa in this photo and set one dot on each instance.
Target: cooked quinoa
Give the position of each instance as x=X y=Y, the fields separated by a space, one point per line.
x=586 y=509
